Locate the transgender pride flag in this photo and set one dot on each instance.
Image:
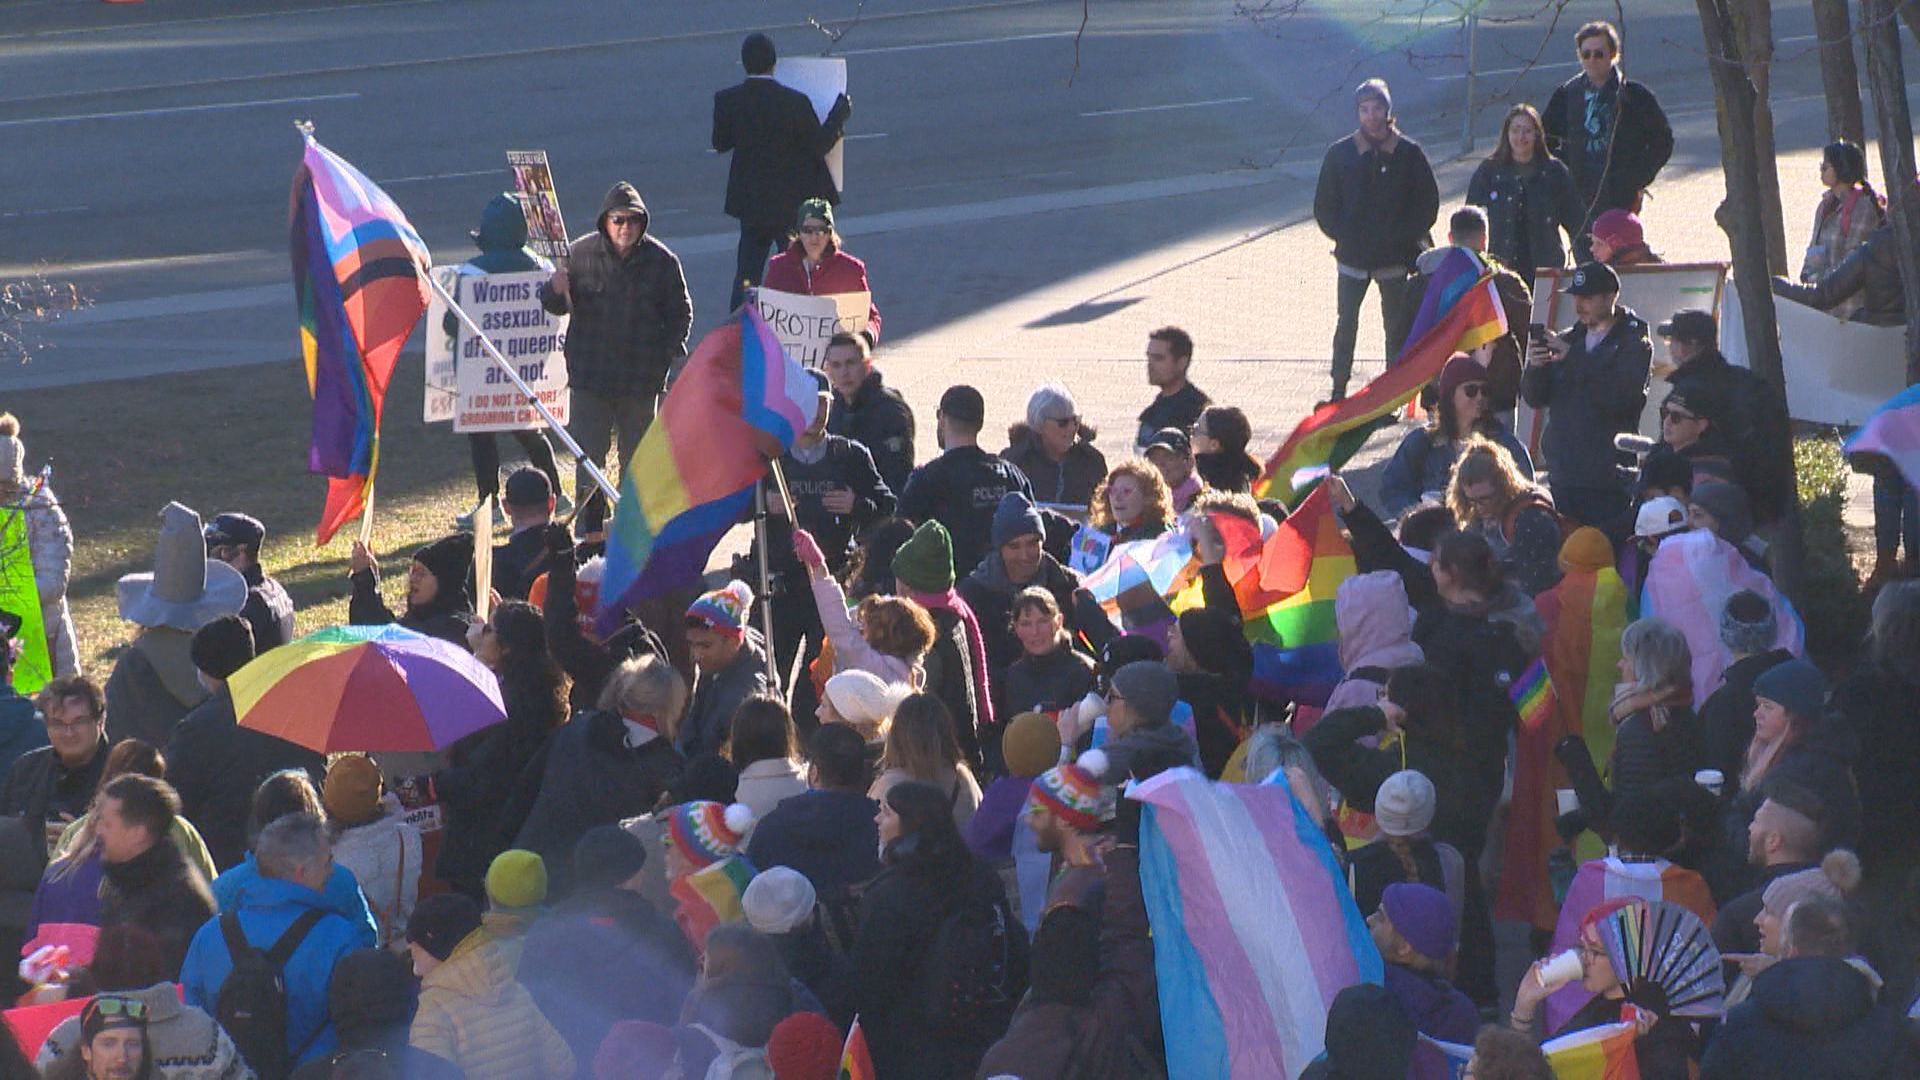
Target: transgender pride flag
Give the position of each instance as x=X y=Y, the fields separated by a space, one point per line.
x=1894 y=430
x=1254 y=931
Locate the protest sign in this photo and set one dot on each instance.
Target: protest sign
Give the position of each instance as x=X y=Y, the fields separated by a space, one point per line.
x=823 y=79
x=1652 y=292
x=533 y=180
x=804 y=324
x=442 y=390
x=507 y=309
x=1838 y=372
x=21 y=597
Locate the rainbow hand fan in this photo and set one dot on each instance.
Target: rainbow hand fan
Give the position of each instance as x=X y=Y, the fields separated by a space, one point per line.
x=1666 y=958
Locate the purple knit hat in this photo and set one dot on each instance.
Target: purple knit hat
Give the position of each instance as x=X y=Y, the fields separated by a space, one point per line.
x=1423 y=916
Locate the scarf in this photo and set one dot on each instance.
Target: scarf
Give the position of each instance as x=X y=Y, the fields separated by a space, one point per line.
x=1656 y=703
x=1761 y=755
x=976 y=645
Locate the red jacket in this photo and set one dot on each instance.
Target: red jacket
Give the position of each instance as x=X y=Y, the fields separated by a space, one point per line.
x=837 y=273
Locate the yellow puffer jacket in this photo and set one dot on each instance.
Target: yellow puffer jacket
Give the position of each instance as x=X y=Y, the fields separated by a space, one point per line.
x=474 y=1013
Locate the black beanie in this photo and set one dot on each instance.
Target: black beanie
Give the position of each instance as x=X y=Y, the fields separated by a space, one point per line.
x=441 y=922
x=222 y=647
x=450 y=560
x=371 y=989
x=606 y=856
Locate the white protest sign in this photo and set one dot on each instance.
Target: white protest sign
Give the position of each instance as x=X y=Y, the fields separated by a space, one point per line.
x=1652 y=292
x=441 y=387
x=1837 y=371
x=507 y=309
x=823 y=79
x=804 y=324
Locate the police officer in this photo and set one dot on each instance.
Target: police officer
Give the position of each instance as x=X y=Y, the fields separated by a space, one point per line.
x=837 y=493
x=235 y=539
x=961 y=487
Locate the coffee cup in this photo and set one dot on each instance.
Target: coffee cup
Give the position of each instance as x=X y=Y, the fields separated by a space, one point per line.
x=1711 y=779
x=1568 y=798
x=1559 y=971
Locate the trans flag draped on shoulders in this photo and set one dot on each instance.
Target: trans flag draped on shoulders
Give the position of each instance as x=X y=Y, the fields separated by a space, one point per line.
x=738 y=404
x=1894 y=430
x=1254 y=931
x=360 y=278
x=1460 y=313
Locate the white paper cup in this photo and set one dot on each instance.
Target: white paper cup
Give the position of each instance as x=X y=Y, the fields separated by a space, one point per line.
x=1559 y=971
x=1568 y=798
x=1711 y=779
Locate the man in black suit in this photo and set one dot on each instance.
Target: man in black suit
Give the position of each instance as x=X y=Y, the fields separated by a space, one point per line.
x=779 y=156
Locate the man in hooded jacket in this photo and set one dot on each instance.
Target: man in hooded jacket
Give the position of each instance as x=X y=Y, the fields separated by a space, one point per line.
x=631 y=315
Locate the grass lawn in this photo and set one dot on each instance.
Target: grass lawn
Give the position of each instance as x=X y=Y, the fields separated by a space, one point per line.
x=233 y=439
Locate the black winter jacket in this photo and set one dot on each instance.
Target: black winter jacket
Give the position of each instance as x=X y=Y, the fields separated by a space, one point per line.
x=590 y=777
x=1357 y=771
x=1642 y=141
x=1751 y=417
x=489 y=777
x=216 y=765
x=1726 y=717
x=160 y=892
x=960 y=490
x=1596 y=395
x=828 y=836
x=844 y=465
x=587 y=660
x=445 y=617
x=1642 y=757
x=39 y=786
x=879 y=419
x=1376 y=205
x=1527 y=211
x=1878 y=707
x=631 y=314
x=1810 y=1016
x=779 y=149
x=1058 y=679
x=1070 y=480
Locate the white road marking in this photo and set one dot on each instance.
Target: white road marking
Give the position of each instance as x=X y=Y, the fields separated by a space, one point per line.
x=223 y=106
x=865 y=135
x=443 y=176
x=49 y=212
x=1169 y=108
x=880 y=49
x=1458 y=75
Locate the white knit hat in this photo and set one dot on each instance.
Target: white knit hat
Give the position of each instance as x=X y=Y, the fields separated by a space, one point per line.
x=1404 y=804
x=863 y=699
x=13 y=454
x=777 y=900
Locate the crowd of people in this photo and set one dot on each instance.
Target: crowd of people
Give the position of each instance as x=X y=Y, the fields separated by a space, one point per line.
x=882 y=786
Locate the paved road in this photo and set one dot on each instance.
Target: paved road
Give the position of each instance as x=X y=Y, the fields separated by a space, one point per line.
x=148 y=147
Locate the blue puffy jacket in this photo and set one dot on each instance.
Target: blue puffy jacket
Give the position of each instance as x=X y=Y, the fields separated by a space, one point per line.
x=233 y=891
x=268 y=907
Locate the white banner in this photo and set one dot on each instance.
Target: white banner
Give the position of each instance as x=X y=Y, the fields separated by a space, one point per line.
x=442 y=388
x=823 y=79
x=804 y=324
x=507 y=309
x=1837 y=371
x=1652 y=292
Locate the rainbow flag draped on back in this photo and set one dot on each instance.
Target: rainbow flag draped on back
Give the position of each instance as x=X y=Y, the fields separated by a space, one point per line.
x=1894 y=430
x=1584 y=615
x=1296 y=641
x=1337 y=430
x=360 y=278
x=1254 y=931
x=1597 y=1053
x=738 y=404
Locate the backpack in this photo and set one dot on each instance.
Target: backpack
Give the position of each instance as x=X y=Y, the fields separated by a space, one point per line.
x=1528 y=499
x=968 y=985
x=252 y=1002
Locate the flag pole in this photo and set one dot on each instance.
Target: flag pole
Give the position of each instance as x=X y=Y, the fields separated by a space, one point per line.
x=593 y=467
x=766 y=588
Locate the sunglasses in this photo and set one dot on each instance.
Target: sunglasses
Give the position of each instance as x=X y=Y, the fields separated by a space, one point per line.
x=813 y=230
x=622 y=220
x=1473 y=389
x=1595 y=54
x=118 y=1006
x=1677 y=416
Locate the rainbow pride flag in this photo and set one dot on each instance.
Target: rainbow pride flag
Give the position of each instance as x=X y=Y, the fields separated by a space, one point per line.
x=738 y=404
x=1597 y=1053
x=1296 y=641
x=360 y=278
x=710 y=896
x=856 y=1061
x=1254 y=931
x=1894 y=430
x=1140 y=580
x=1337 y=430
x=1532 y=695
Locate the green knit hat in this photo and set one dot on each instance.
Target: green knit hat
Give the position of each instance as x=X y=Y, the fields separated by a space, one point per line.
x=925 y=562
x=814 y=208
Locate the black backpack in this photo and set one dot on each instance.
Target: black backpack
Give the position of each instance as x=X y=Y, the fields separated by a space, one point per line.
x=252 y=1003
x=968 y=985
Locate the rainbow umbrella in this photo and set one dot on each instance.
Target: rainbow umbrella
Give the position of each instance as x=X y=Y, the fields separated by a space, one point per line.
x=367 y=688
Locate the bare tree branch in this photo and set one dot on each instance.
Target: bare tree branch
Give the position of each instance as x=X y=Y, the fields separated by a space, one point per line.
x=31 y=302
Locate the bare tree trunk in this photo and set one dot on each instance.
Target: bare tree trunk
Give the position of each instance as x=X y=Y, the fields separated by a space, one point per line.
x=1753 y=20
x=1839 y=76
x=1887 y=80
x=1741 y=217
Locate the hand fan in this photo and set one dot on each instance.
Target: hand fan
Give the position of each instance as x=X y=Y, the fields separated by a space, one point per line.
x=1665 y=957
